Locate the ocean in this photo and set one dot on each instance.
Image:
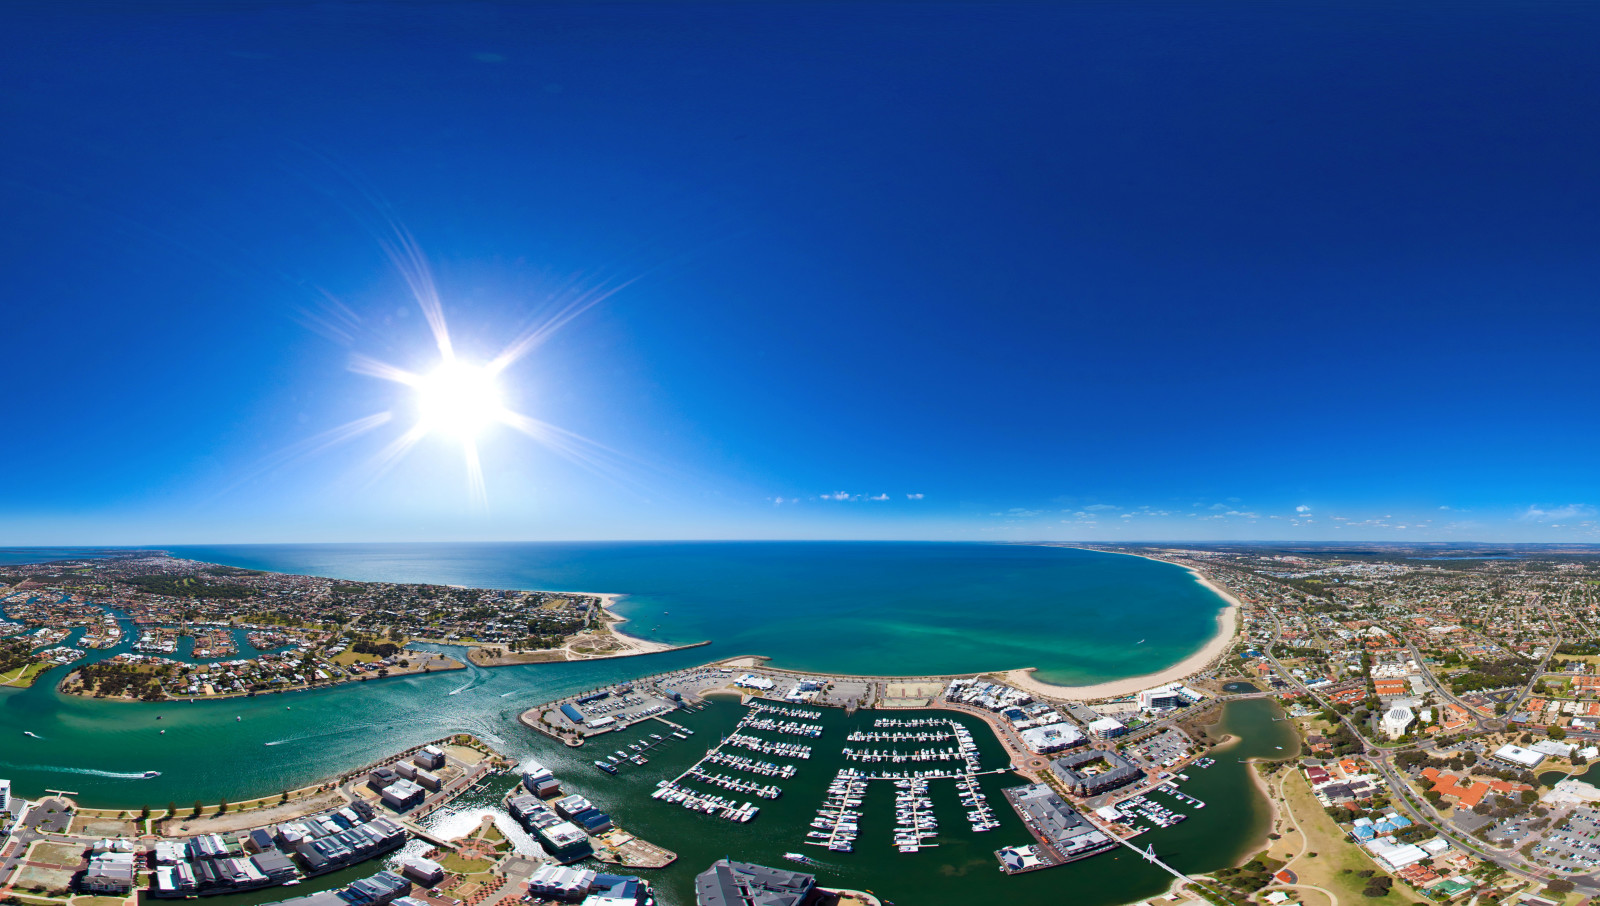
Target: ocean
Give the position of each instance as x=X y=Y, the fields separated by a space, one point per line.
x=882 y=608
x=894 y=608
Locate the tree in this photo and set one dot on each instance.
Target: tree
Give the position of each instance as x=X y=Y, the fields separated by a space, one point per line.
x=223 y=808
x=1556 y=733
x=144 y=813
x=198 y=808
x=1559 y=886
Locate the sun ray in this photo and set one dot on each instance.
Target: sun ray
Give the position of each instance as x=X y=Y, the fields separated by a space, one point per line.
x=371 y=367
x=379 y=465
x=591 y=456
x=475 y=488
x=543 y=331
x=311 y=446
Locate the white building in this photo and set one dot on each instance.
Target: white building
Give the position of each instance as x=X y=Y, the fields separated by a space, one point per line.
x=1107 y=727
x=1527 y=759
x=559 y=882
x=1552 y=748
x=1052 y=737
x=1395 y=856
x=1395 y=721
x=1168 y=697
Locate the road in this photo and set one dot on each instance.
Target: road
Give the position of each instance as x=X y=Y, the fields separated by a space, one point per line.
x=1414 y=808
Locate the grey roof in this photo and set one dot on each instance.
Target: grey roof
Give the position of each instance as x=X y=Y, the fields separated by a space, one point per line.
x=728 y=883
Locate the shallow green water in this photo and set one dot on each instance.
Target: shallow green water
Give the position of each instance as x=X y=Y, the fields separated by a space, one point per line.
x=241 y=748
x=876 y=608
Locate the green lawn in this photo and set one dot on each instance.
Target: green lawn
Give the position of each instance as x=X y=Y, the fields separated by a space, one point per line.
x=1334 y=852
x=23 y=676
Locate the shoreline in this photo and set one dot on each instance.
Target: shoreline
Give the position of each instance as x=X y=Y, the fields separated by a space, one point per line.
x=634 y=644
x=1021 y=677
x=1215 y=647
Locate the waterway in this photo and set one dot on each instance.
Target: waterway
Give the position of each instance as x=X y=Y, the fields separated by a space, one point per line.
x=240 y=748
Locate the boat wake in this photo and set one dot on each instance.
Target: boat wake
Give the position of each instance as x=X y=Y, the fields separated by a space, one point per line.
x=472 y=683
x=31 y=733
x=351 y=728
x=88 y=772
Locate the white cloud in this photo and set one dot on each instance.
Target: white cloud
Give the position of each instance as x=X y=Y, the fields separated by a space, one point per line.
x=1565 y=511
x=1023 y=512
x=915 y=496
x=1444 y=508
x=780 y=501
x=1100 y=506
x=1302 y=508
x=879 y=497
x=1219 y=506
x=836 y=495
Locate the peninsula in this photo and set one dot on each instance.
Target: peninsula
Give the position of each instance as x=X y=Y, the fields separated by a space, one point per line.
x=178 y=628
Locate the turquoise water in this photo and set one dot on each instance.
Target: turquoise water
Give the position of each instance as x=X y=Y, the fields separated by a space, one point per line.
x=853 y=608
x=848 y=607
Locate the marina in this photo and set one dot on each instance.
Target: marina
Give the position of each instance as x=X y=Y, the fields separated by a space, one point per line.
x=273 y=748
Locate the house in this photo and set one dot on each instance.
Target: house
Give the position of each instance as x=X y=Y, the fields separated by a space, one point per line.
x=110 y=872
x=431 y=758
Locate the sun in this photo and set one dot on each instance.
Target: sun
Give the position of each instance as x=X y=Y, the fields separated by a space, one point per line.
x=458 y=399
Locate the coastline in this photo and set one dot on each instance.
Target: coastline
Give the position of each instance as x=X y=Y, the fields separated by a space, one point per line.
x=1215 y=647
x=633 y=644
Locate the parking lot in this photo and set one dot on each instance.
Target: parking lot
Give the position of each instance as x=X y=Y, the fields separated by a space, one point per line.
x=1166 y=748
x=617 y=707
x=1575 y=847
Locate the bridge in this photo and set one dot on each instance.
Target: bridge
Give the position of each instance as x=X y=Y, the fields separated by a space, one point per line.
x=1149 y=855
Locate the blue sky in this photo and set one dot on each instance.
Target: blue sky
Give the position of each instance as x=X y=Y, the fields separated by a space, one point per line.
x=1077 y=270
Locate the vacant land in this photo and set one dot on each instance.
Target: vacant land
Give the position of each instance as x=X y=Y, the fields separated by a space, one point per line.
x=1334 y=851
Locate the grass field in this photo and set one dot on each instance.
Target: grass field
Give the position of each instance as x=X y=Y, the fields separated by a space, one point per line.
x=350 y=656
x=1334 y=851
x=23 y=676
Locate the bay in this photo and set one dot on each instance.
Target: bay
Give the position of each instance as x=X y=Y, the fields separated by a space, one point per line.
x=954 y=608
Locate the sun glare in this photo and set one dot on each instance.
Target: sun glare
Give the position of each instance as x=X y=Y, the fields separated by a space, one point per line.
x=458 y=399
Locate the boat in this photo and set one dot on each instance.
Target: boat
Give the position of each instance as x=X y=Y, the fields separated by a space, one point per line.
x=238 y=718
x=797 y=857
x=151 y=775
x=31 y=733
x=163 y=732
x=608 y=768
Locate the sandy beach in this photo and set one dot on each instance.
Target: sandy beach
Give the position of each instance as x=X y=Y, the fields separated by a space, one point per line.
x=1227 y=628
x=632 y=644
